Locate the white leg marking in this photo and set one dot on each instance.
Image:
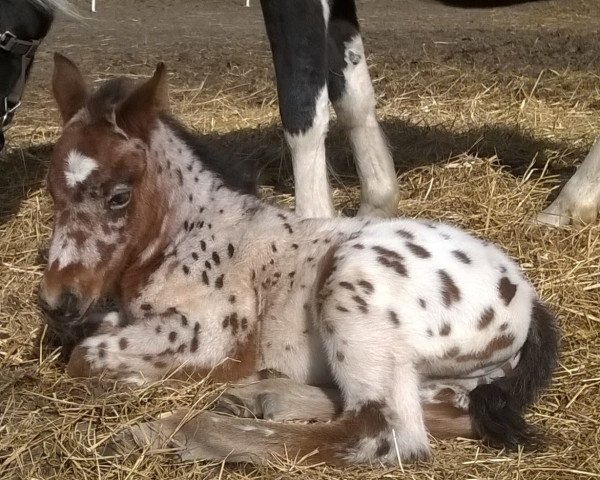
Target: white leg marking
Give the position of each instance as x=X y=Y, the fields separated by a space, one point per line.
x=326 y=11
x=78 y=167
x=313 y=198
x=579 y=200
x=371 y=363
x=406 y=404
x=356 y=111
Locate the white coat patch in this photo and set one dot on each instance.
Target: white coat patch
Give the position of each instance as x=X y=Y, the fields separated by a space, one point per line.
x=79 y=167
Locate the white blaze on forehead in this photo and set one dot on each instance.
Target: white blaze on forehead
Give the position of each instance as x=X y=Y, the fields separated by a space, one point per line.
x=78 y=167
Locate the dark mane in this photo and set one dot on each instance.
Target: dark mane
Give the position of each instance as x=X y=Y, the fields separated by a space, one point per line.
x=236 y=173
x=103 y=101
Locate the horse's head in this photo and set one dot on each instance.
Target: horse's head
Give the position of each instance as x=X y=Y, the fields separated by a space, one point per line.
x=105 y=203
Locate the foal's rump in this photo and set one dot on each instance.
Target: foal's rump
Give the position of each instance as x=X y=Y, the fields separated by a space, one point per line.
x=406 y=295
x=461 y=304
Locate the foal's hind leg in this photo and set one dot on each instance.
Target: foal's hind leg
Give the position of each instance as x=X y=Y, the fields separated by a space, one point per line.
x=297 y=32
x=372 y=363
x=373 y=424
x=352 y=95
x=281 y=399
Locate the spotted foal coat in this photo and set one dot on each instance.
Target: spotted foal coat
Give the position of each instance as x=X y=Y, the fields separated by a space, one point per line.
x=391 y=328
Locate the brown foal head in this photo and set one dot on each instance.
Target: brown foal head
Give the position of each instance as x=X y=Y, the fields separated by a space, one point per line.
x=106 y=204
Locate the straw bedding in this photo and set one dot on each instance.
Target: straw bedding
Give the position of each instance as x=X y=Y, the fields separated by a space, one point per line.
x=479 y=148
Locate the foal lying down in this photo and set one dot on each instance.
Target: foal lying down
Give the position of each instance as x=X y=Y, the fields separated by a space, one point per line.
x=390 y=329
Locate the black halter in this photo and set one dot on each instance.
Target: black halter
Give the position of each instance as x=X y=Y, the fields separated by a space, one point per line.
x=11 y=99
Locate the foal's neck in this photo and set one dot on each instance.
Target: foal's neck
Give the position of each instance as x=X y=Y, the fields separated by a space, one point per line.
x=193 y=193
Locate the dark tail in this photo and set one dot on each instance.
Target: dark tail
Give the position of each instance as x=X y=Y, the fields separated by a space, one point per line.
x=496 y=409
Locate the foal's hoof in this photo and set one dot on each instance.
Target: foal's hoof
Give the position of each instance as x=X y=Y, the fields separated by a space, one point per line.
x=238 y=406
x=410 y=455
x=134 y=439
x=120 y=445
x=419 y=455
x=246 y=403
x=407 y=448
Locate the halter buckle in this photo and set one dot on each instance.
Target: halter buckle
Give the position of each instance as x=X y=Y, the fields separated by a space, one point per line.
x=7 y=41
x=7 y=112
x=11 y=44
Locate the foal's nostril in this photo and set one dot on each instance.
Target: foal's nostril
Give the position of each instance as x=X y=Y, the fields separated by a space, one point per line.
x=69 y=304
x=59 y=302
x=43 y=303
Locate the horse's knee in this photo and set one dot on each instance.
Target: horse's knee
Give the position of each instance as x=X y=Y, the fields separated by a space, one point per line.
x=352 y=92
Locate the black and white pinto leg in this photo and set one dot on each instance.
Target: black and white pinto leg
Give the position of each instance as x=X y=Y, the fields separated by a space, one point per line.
x=352 y=95
x=318 y=56
x=297 y=32
x=579 y=200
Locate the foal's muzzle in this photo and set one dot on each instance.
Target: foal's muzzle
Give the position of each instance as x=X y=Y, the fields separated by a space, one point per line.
x=67 y=307
x=68 y=321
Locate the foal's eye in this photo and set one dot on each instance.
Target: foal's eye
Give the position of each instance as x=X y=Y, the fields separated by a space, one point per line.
x=119 y=199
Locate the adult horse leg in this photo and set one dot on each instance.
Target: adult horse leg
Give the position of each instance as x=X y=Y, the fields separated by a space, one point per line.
x=297 y=32
x=351 y=92
x=579 y=200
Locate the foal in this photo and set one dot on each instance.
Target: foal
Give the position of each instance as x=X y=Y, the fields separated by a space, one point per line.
x=389 y=328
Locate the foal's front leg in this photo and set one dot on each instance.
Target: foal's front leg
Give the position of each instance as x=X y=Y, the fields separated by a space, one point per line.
x=138 y=353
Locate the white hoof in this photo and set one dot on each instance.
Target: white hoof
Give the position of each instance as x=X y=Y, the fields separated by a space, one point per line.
x=579 y=200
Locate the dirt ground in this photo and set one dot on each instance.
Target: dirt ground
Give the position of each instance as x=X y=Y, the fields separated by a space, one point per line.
x=462 y=94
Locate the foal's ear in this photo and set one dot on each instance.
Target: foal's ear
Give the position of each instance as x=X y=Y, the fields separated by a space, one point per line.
x=138 y=111
x=68 y=87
